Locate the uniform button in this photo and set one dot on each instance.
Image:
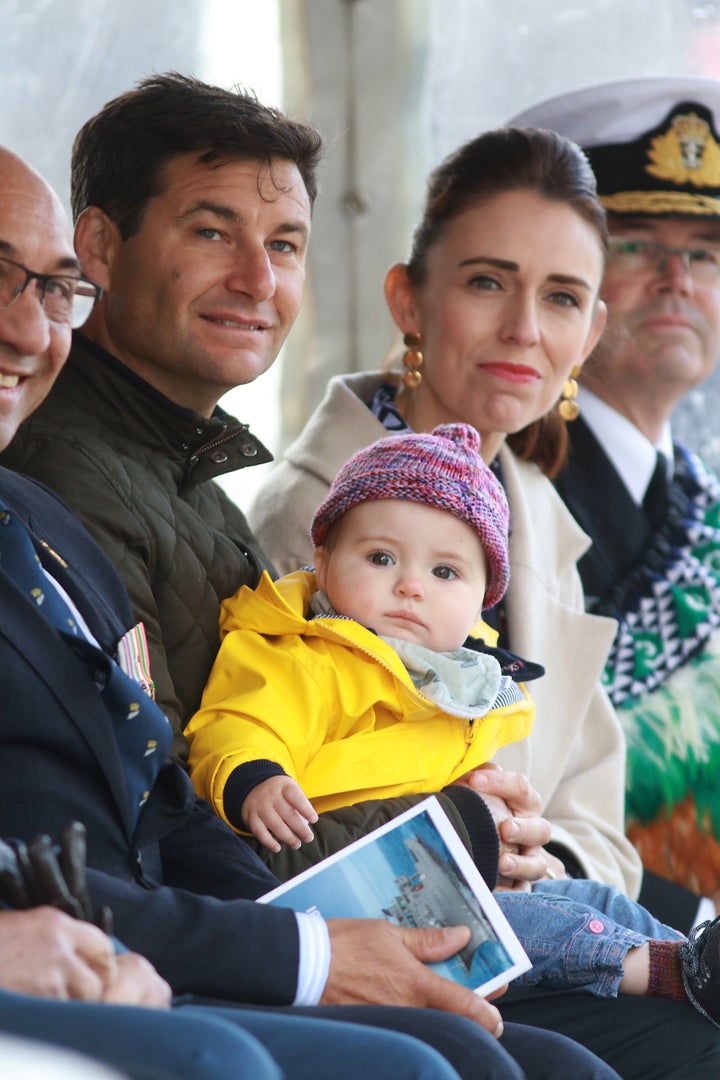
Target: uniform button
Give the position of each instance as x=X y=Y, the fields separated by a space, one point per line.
x=219 y=457
x=595 y=926
x=248 y=450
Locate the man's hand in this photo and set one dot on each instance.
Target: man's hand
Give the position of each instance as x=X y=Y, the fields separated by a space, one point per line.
x=374 y=962
x=49 y=954
x=515 y=806
x=136 y=982
x=277 y=812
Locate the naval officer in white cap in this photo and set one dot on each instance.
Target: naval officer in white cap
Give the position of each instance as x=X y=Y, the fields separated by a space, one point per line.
x=650 y=507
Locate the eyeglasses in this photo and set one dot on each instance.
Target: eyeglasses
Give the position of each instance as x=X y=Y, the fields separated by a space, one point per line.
x=66 y=298
x=702 y=264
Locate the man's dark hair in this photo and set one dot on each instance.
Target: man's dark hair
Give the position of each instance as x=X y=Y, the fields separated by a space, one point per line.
x=120 y=154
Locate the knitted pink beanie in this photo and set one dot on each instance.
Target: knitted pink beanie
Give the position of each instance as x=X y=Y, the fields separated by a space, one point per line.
x=444 y=470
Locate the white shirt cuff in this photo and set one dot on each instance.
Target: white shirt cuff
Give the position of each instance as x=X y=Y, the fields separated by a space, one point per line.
x=706 y=910
x=314 y=966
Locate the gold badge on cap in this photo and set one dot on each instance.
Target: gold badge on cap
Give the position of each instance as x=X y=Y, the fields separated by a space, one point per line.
x=686 y=153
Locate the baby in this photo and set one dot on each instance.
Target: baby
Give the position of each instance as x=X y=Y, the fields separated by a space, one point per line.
x=360 y=682
x=365 y=691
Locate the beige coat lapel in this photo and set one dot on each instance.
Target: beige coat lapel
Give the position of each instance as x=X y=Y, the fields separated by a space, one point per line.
x=575 y=755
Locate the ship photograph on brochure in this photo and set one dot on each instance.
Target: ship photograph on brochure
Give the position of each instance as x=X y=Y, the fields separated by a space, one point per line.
x=435 y=895
x=414 y=871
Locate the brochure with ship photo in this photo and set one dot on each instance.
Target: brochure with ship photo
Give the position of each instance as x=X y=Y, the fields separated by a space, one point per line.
x=414 y=871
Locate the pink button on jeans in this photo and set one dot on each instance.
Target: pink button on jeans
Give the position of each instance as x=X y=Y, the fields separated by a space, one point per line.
x=595 y=926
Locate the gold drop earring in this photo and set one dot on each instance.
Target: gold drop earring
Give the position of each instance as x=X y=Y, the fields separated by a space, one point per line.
x=413 y=360
x=568 y=406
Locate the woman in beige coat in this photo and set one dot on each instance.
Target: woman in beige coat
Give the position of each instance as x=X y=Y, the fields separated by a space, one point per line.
x=500 y=296
x=498 y=303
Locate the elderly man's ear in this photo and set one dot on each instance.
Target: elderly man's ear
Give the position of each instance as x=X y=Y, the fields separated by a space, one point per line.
x=97 y=240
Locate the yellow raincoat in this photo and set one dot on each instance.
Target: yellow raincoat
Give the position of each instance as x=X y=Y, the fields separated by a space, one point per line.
x=332 y=704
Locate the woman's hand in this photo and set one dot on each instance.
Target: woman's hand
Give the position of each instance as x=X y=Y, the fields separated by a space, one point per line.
x=277 y=812
x=515 y=807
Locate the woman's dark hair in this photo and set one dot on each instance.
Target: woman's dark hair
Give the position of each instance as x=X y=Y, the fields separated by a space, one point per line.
x=498 y=161
x=120 y=154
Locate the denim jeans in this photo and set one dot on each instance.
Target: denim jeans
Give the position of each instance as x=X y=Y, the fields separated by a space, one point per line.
x=577 y=932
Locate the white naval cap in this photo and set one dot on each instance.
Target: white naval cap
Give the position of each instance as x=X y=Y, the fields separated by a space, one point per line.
x=652 y=141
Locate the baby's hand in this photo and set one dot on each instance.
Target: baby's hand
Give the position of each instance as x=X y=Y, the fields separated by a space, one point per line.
x=277 y=810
